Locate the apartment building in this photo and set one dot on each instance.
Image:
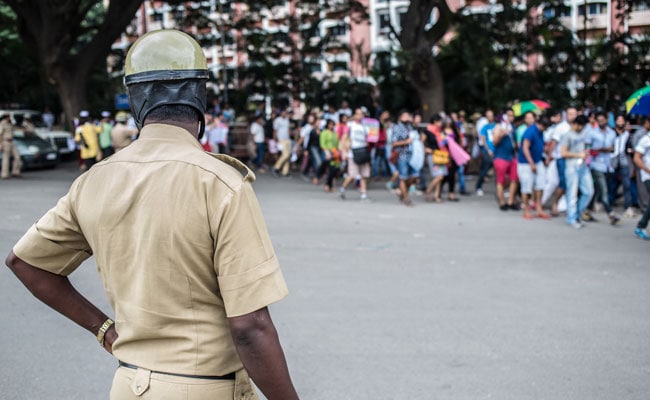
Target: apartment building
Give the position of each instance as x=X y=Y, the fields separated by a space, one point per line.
x=350 y=44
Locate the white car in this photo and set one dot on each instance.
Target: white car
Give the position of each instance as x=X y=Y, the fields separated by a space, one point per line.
x=62 y=140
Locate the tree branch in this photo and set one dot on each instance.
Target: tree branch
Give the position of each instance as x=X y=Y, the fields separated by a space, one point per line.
x=118 y=16
x=438 y=31
x=393 y=32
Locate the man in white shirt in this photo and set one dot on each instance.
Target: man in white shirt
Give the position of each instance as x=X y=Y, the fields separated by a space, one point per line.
x=281 y=135
x=257 y=132
x=555 y=179
x=642 y=161
x=358 y=141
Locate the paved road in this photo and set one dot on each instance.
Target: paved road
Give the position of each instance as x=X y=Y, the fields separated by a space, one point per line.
x=441 y=301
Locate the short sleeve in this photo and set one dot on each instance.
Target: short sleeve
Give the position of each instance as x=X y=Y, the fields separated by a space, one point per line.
x=643 y=145
x=247 y=268
x=55 y=242
x=565 y=140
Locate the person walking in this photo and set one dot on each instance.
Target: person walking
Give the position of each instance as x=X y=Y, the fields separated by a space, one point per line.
x=180 y=244
x=621 y=175
x=505 y=164
x=579 y=184
x=401 y=144
x=601 y=141
x=556 y=182
x=281 y=136
x=642 y=161
x=643 y=195
x=87 y=136
x=105 y=138
x=435 y=144
x=358 y=157
x=122 y=135
x=8 y=148
x=257 y=133
x=530 y=167
x=486 y=146
x=329 y=144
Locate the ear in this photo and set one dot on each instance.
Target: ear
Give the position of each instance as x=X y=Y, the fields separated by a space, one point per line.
x=201 y=128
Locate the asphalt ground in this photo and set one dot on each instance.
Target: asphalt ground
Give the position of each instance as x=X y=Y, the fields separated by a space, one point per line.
x=439 y=301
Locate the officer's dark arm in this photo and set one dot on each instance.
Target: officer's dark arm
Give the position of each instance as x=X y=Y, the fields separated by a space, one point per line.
x=259 y=349
x=57 y=292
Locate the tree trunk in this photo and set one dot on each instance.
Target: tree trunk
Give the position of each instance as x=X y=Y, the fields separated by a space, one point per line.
x=426 y=77
x=71 y=86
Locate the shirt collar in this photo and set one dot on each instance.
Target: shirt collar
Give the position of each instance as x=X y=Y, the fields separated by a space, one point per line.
x=165 y=132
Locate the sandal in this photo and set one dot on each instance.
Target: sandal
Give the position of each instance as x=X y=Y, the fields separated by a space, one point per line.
x=408 y=202
x=543 y=215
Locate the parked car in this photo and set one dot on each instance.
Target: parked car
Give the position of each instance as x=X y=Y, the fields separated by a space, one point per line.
x=35 y=152
x=62 y=140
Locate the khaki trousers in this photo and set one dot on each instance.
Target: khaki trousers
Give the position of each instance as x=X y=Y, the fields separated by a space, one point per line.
x=9 y=150
x=142 y=384
x=285 y=158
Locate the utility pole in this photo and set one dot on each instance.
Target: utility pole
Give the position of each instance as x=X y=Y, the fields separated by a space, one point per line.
x=219 y=25
x=223 y=55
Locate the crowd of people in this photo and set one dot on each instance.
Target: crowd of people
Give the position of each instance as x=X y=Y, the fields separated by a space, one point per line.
x=544 y=162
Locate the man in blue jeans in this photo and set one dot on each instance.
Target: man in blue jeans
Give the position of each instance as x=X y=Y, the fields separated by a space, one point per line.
x=486 y=144
x=619 y=161
x=642 y=161
x=601 y=141
x=578 y=179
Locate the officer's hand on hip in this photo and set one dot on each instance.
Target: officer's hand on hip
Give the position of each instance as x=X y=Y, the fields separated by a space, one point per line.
x=109 y=338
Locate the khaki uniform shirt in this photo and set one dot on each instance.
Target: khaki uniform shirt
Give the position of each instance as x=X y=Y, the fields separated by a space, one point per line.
x=180 y=244
x=121 y=136
x=6 y=131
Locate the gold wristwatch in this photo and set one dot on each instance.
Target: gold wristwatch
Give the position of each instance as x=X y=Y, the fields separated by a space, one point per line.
x=102 y=331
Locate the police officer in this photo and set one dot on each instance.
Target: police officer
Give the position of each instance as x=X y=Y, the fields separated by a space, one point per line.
x=180 y=244
x=8 y=148
x=121 y=135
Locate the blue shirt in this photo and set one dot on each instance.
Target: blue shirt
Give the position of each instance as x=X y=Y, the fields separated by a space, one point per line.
x=488 y=134
x=536 y=139
x=599 y=139
x=401 y=132
x=505 y=149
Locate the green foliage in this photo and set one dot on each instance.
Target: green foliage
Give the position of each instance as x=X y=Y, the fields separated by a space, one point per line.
x=395 y=91
x=485 y=64
x=23 y=81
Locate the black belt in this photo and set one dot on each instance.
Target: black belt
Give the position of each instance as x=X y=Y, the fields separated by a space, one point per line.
x=230 y=376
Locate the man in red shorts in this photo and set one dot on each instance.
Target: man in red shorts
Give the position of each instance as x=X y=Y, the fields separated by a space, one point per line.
x=505 y=163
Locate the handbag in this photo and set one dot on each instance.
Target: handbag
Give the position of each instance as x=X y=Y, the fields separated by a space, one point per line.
x=440 y=157
x=361 y=155
x=394 y=157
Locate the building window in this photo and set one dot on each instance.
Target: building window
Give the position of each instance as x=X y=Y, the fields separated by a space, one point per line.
x=313 y=67
x=402 y=16
x=597 y=8
x=338 y=66
x=641 y=5
x=338 y=30
x=383 y=19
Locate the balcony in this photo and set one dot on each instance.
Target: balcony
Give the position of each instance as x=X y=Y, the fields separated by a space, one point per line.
x=639 y=19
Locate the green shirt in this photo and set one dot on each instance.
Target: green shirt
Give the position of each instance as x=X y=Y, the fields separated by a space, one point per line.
x=105 y=135
x=328 y=140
